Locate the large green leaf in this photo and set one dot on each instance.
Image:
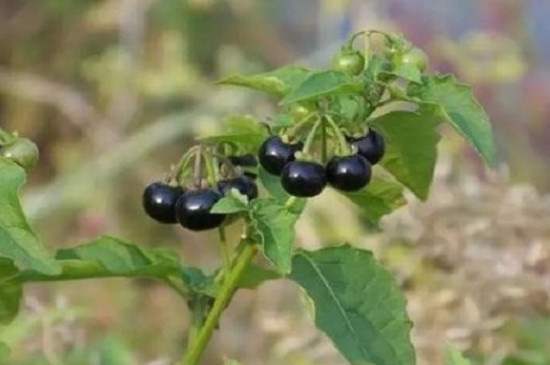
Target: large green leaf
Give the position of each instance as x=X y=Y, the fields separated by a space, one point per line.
x=454 y=357
x=411 y=147
x=10 y=291
x=357 y=305
x=276 y=82
x=379 y=198
x=322 y=83
x=459 y=106
x=273 y=226
x=18 y=242
x=111 y=257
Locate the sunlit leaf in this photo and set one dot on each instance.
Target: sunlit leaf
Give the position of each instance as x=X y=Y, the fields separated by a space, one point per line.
x=277 y=82
x=273 y=226
x=411 y=147
x=379 y=198
x=18 y=241
x=459 y=107
x=322 y=83
x=111 y=257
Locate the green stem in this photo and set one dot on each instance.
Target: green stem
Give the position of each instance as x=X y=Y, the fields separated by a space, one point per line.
x=290 y=201
x=178 y=171
x=210 y=170
x=354 y=36
x=311 y=137
x=242 y=261
x=292 y=131
x=323 y=141
x=342 y=143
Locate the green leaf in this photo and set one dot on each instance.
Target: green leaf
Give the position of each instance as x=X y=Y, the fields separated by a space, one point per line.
x=273 y=185
x=111 y=257
x=411 y=147
x=357 y=305
x=10 y=291
x=273 y=226
x=18 y=242
x=321 y=83
x=283 y=121
x=230 y=204
x=459 y=107
x=244 y=131
x=376 y=65
x=276 y=82
x=199 y=282
x=407 y=71
x=254 y=276
x=454 y=357
x=379 y=198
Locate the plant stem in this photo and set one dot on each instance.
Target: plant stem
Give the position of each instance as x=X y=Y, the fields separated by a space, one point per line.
x=210 y=170
x=342 y=143
x=311 y=137
x=323 y=141
x=178 y=171
x=231 y=282
x=197 y=168
x=292 y=131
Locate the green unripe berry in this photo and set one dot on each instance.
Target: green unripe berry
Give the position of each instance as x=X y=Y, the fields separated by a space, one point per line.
x=349 y=61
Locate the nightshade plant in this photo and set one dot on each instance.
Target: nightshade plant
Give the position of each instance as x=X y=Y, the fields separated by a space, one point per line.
x=367 y=127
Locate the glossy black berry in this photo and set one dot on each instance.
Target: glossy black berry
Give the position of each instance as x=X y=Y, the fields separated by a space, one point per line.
x=159 y=201
x=247 y=160
x=303 y=178
x=243 y=184
x=275 y=154
x=349 y=173
x=371 y=146
x=193 y=210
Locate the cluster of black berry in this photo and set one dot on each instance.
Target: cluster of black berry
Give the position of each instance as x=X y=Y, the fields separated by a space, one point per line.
x=190 y=208
x=302 y=178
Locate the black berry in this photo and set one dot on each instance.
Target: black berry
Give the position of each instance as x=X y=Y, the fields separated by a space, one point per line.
x=349 y=173
x=193 y=210
x=247 y=160
x=303 y=178
x=244 y=184
x=371 y=146
x=275 y=154
x=159 y=201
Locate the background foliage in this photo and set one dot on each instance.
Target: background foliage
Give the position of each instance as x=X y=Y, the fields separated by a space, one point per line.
x=113 y=90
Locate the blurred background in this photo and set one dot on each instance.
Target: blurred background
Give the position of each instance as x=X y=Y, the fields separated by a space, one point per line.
x=114 y=91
